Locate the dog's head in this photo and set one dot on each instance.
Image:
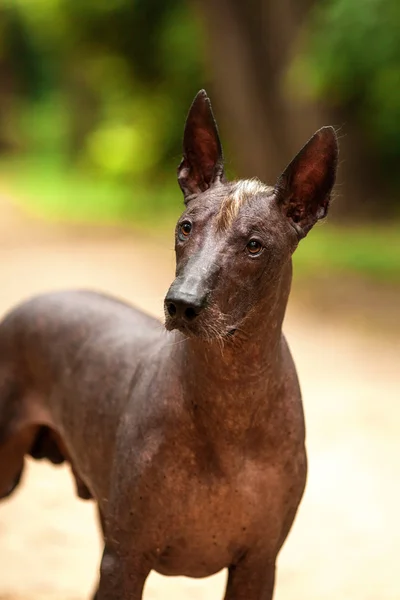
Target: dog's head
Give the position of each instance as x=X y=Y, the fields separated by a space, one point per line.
x=235 y=238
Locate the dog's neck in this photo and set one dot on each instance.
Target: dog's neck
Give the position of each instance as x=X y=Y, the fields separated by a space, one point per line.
x=227 y=379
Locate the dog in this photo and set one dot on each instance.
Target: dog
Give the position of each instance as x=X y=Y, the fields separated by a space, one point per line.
x=191 y=438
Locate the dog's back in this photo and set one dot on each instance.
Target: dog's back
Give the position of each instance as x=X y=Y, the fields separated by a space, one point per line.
x=54 y=348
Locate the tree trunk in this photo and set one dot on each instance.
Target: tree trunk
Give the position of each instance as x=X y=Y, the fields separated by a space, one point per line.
x=249 y=50
x=250 y=45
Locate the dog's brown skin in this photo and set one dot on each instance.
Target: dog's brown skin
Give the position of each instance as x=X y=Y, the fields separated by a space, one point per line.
x=191 y=442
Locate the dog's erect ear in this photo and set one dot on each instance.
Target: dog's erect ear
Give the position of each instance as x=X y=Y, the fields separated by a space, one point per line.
x=304 y=188
x=202 y=162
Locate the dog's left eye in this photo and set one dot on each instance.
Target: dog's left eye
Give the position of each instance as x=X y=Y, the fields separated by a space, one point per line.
x=184 y=229
x=254 y=247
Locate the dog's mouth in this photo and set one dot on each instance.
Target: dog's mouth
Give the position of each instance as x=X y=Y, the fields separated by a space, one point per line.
x=205 y=328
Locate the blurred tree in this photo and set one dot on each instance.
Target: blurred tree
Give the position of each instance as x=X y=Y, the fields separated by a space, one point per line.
x=250 y=49
x=118 y=74
x=284 y=68
x=352 y=64
x=107 y=84
x=17 y=75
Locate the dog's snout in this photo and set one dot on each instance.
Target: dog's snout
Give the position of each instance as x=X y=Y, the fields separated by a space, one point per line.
x=184 y=306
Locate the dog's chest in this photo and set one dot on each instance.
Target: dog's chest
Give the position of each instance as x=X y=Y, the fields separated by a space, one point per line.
x=209 y=520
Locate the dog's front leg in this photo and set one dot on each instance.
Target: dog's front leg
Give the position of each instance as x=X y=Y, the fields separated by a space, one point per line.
x=103 y=531
x=252 y=578
x=122 y=577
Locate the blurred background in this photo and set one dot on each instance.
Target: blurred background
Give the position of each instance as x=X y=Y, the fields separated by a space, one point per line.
x=93 y=98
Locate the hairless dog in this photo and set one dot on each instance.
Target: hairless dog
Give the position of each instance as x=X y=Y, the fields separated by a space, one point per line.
x=190 y=438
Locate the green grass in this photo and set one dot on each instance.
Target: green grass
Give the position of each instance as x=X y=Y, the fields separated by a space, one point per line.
x=45 y=188
x=369 y=251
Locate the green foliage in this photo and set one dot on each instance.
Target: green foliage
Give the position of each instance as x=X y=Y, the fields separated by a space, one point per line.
x=106 y=83
x=353 y=62
x=46 y=188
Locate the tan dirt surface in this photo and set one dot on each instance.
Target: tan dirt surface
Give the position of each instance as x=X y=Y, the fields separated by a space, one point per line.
x=345 y=544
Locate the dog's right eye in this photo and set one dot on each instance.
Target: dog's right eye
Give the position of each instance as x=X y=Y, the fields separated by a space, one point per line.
x=254 y=247
x=184 y=230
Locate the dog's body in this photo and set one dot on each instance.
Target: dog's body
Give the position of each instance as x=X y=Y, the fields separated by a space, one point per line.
x=191 y=442
x=195 y=476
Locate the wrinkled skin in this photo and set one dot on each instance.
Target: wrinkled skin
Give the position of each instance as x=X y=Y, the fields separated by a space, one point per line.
x=191 y=441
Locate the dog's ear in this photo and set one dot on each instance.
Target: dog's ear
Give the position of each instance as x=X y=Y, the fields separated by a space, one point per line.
x=304 y=188
x=202 y=162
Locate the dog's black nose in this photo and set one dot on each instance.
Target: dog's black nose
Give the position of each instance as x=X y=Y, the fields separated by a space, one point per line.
x=184 y=306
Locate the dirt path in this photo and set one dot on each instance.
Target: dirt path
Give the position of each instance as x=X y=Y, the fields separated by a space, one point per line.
x=346 y=541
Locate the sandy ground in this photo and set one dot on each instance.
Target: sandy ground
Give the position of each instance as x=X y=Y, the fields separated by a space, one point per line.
x=346 y=540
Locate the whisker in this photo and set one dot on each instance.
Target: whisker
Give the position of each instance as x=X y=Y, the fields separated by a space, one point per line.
x=175 y=343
